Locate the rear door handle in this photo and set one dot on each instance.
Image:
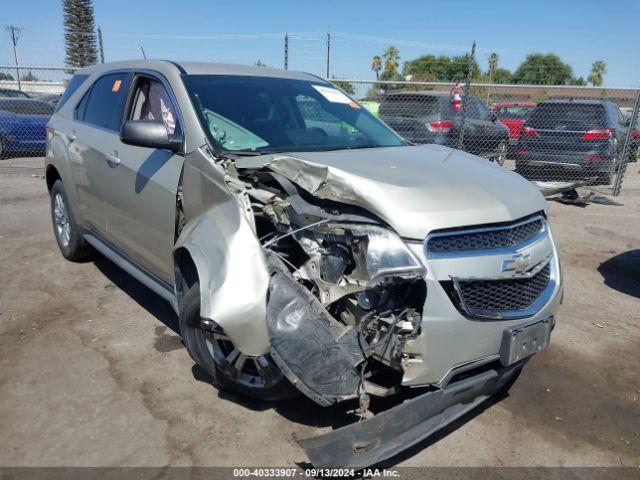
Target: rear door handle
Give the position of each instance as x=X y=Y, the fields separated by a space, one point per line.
x=112 y=159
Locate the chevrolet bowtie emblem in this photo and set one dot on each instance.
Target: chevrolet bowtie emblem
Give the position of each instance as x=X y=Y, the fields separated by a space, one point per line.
x=519 y=263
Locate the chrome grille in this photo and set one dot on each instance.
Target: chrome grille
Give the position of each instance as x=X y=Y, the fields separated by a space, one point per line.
x=486 y=297
x=485 y=239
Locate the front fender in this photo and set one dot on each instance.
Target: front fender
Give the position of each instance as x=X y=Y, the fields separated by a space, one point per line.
x=231 y=265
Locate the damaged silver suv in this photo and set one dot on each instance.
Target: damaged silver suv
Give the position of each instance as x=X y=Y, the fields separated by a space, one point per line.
x=304 y=245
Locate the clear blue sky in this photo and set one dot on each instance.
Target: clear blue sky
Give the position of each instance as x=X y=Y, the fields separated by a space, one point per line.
x=241 y=31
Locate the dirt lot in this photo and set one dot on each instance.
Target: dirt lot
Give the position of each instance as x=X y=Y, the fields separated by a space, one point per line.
x=93 y=372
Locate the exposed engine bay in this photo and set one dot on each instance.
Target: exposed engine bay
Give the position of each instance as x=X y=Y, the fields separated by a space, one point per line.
x=345 y=292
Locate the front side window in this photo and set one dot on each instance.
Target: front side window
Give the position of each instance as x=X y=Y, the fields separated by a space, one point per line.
x=103 y=105
x=263 y=114
x=151 y=101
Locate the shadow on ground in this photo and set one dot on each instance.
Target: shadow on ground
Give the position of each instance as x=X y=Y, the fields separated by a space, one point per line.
x=300 y=410
x=622 y=272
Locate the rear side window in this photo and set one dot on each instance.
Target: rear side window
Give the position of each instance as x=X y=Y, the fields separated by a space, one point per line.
x=568 y=116
x=103 y=105
x=410 y=106
x=72 y=86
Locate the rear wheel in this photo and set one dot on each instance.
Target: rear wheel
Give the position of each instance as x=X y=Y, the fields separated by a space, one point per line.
x=67 y=232
x=257 y=377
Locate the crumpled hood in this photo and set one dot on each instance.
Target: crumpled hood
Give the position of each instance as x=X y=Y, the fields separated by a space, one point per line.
x=415 y=189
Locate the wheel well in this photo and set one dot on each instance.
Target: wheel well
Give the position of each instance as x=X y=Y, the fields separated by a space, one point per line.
x=186 y=272
x=52 y=175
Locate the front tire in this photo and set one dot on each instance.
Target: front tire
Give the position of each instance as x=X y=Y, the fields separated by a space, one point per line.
x=501 y=152
x=68 y=234
x=255 y=377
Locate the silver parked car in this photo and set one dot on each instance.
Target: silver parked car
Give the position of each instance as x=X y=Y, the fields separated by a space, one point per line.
x=304 y=245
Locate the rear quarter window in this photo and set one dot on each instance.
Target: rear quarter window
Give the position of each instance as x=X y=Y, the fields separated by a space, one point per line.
x=72 y=86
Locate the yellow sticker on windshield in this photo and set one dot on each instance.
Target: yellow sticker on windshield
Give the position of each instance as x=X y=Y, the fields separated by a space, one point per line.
x=116 y=85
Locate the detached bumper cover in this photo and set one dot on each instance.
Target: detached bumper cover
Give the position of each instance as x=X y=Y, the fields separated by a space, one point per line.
x=366 y=443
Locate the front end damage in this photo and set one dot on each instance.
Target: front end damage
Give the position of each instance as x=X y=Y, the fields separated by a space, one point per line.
x=345 y=298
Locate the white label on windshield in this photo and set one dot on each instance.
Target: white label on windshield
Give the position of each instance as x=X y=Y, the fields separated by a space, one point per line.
x=333 y=95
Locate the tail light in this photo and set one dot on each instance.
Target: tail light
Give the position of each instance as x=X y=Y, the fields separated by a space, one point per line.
x=634 y=134
x=598 y=134
x=528 y=132
x=593 y=158
x=442 y=126
x=522 y=152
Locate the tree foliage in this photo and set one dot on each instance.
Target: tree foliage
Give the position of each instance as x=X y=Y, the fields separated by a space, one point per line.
x=543 y=69
x=441 y=68
x=376 y=65
x=6 y=76
x=391 y=57
x=597 y=73
x=346 y=86
x=79 y=33
x=30 y=77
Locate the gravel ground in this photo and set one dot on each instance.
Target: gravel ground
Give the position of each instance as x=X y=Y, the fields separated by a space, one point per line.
x=93 y=372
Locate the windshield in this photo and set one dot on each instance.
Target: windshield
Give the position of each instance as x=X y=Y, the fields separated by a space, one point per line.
x=265 y=114
x=26 y=107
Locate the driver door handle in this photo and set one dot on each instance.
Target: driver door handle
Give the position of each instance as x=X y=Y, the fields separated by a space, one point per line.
x=112 y=159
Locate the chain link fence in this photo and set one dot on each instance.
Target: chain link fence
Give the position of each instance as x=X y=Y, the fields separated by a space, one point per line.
x=28 y=96
x=553 y=135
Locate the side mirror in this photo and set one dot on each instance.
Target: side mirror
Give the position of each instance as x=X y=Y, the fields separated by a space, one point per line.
x=150 y=134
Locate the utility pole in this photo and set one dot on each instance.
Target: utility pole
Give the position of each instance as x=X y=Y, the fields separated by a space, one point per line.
x=328 y=52
x=15 y=36
x=467 y=87
x=286 y=51
x=100 y=46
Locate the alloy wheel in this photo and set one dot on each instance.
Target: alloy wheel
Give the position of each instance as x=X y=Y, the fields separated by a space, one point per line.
x=61 y=221
x=251 y=372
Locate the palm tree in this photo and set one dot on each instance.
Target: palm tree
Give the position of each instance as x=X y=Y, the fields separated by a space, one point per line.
x=493 y=64
x=598 y=71
x=376 y=66
x=391 y=57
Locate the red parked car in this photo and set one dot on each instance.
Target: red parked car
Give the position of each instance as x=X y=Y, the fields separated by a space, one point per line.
x=513 y=115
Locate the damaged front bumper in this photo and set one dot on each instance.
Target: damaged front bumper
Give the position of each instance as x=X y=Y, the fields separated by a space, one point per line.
x=370 y=441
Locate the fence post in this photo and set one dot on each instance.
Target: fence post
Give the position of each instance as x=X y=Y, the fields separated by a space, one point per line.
x=617 y=186
x=467 y=86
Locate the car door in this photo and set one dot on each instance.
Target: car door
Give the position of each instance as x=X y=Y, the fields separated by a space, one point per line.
x=141 y=186
x=92 y=134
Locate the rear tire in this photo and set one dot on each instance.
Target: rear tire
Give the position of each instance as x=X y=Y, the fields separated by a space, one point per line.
x=255 y=377
x=68 y=234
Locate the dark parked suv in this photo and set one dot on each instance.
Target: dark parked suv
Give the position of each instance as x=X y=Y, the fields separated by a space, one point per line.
x=433 y=117
x=582 y=139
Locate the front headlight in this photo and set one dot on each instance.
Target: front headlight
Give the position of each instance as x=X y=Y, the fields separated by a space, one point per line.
x=386 y=254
